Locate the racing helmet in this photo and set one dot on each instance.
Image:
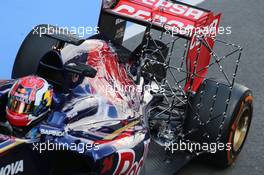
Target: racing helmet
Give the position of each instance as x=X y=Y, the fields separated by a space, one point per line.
x=29 y=99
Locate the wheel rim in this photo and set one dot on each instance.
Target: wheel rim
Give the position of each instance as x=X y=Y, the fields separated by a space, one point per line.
x=241 y=130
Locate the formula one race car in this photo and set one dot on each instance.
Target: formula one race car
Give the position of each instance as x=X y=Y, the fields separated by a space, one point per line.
x=110 y=105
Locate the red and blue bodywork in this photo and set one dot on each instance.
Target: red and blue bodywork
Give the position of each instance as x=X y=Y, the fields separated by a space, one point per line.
x=102 y=126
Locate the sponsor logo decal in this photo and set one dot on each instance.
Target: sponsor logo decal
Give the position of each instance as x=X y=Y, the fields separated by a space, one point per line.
x=161 y=12
x=52 y=132
x=13 y=168
x=127 y=165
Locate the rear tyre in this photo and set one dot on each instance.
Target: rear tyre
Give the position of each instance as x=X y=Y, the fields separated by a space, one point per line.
x=236 y=124
x=236 y=133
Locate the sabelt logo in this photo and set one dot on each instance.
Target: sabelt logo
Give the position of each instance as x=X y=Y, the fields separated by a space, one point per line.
x=52 y=132
x=13 y=168
x=169 y=16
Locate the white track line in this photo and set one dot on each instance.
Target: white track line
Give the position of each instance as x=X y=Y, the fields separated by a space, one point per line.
x=136 y=29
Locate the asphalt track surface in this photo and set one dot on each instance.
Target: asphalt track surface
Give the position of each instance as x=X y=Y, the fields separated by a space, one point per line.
x=246 y=19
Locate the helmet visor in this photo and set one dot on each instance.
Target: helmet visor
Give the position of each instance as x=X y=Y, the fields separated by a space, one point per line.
x=20 y=107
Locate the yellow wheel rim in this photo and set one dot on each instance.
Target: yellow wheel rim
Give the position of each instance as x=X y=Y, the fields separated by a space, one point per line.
x=241 y=130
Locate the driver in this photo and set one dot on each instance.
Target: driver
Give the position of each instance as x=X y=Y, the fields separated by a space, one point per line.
x=29 y=100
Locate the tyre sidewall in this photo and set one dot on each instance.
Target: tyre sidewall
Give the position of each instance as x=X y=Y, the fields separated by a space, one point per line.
x=229 y=156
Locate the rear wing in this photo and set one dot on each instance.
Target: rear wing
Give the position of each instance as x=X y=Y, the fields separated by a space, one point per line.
x=168 y=15
x=171 y=16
